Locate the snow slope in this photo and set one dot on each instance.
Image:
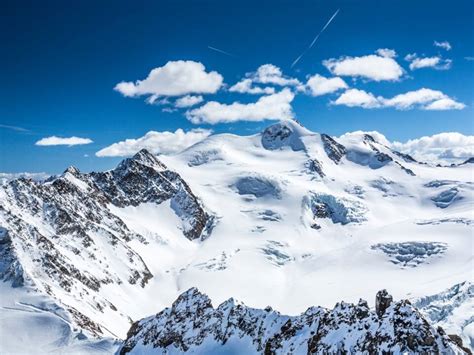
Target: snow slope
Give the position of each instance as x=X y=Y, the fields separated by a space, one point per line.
x=287 y=218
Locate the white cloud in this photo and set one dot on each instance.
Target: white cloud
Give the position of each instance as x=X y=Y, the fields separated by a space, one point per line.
x=156 y=142
x=320 y=85
x=445 y=104
x=275 y=106
x=53 y=140
x=411 y=98
x=267 y=74
x=245 y=87
x=445 y=147
x=435 y=62
x=357 y=98
x=271 y=74
x=426 y=99
x=188 y=101
x=175 y=78
x=386 y=52
x=5 y=177
x=373 y=67
x=444 y=44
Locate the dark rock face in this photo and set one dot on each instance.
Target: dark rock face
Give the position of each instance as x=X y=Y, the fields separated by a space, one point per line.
x=334 y=150
x=282 y=134
x=407 y=157
x=382 y=301
x=193 y=325
x=468 y=161
x=314 y=166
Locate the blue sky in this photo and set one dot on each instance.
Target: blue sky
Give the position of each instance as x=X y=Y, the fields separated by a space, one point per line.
x=61 y=62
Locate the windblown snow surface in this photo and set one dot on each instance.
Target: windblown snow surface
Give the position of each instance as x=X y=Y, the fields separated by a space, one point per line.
x=300 y=219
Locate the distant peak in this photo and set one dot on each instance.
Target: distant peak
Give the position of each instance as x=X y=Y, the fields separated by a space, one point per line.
x=72 y=170
x=144 y=157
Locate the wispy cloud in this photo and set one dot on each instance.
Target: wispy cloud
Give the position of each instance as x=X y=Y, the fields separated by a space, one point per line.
x=220 y=51
x=70 y=141
x=435 y=62
x=268 y=75
x=14 y=128
x=443 y=44
x=314 y=39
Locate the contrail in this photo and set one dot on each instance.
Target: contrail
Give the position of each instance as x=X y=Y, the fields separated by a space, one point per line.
x=315 y=38
x=221 y=51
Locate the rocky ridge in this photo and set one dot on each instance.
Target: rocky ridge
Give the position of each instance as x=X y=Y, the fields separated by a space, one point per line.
x=192 y=324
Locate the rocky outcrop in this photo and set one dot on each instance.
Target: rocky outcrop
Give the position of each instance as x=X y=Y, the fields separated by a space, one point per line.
x=193 y=325
x=334 y=150
x=284 y=134
x=382 y=301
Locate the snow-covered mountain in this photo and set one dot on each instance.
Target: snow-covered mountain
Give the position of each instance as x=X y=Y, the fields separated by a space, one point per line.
x=287 y=218
x=192 y=325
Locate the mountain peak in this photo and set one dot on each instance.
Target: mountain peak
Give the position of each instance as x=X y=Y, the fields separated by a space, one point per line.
x=72 y=170
x=284 y=133
x=143 y=157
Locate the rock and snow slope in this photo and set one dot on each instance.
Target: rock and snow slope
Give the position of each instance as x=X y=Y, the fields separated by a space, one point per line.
x=192 y=325
x=287 y=218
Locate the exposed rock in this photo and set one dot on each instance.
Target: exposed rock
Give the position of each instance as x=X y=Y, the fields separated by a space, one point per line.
x=193 y=325
x=334 y=150
x=284 y=134
x=382 y=301
x=314 y=166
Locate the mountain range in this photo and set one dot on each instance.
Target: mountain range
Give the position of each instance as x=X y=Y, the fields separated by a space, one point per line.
x=130 y=259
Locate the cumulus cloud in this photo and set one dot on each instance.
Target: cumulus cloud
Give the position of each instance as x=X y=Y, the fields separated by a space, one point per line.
x=275 y=106
x=426 y=99
x=435 y=62
x=267 y=74
x=245 y=86
x=444 y=104
x=445 y=147
x=320 y=85
x=53 y=140
x=271 y=74
x=411 y=98
x=373 y=67
x=156 y=142
x=386 y=52
x=188 y=101
x=175 y=78
x=357 y=98
x=444 y=44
